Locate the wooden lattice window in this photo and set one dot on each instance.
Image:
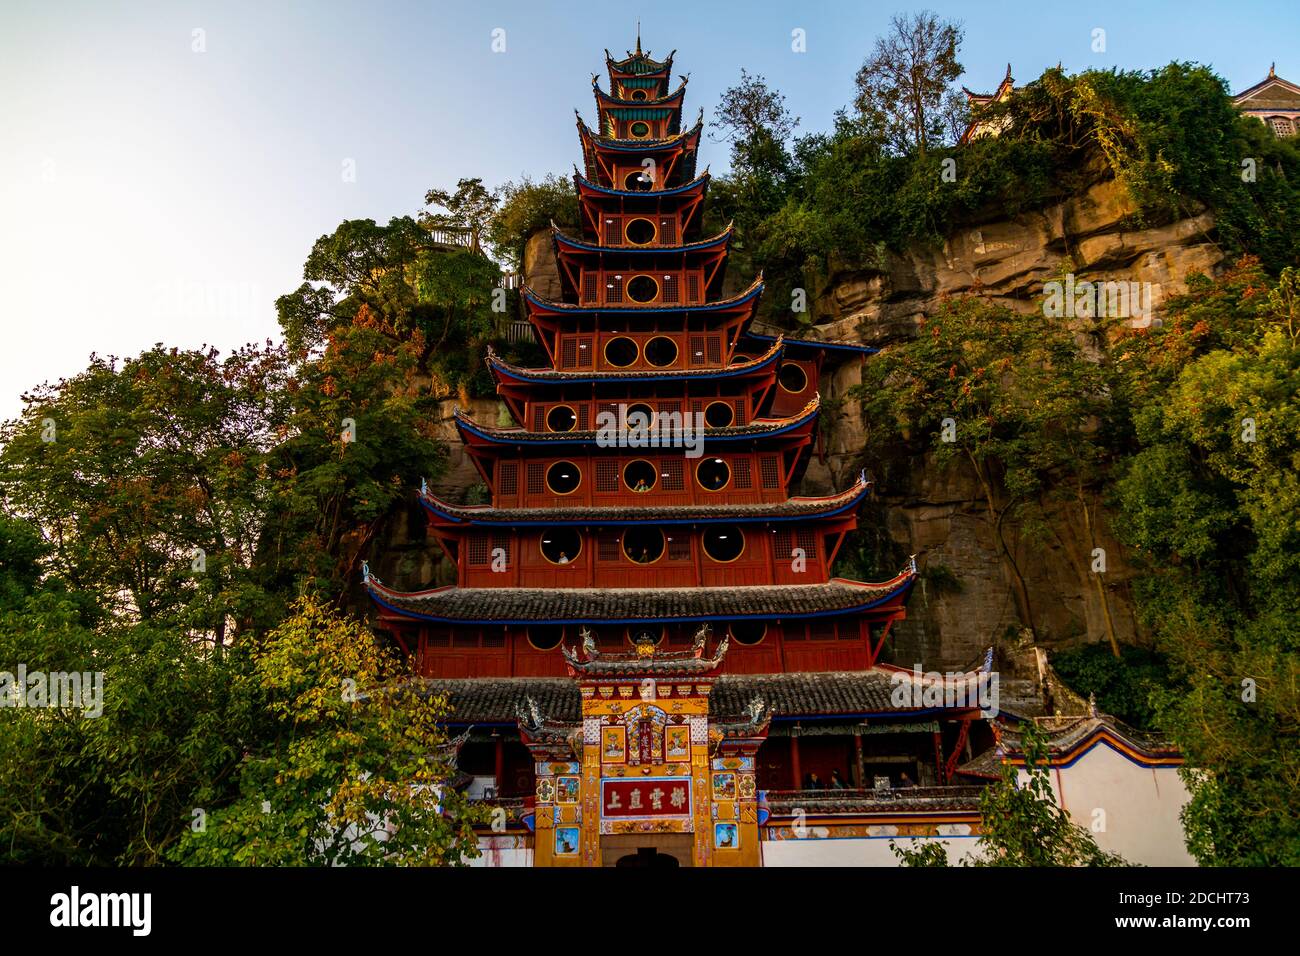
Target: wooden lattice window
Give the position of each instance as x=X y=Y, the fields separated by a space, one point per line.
x=607 y=548
x=585 y=357
x=494 y=638
x=501 y=543
x=715 y=350
x=668 y=231
x=539 y=418
x=770 y=471
x=508 y=478
x=464 y=639
x=821 y=630
x=808 y=541
x=590 y=288
x=613 y=231
x=741 y=474
x=568 y=353
x=692 y=287
x=536 y=479
x=740 y=412
x=668 y=292
x=670 y=474
x=479 y=548
x=584 y=418
x=699 y=353
x=783 y=546
x=613 y=288
x=679 y=546
x=439 y=637
x=606 y=475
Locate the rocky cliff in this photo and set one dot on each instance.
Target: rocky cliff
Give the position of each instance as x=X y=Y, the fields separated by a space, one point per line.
x=938 y=513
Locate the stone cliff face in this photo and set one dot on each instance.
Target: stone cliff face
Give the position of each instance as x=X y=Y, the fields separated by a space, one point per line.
x=939 y=513
x=935 y=513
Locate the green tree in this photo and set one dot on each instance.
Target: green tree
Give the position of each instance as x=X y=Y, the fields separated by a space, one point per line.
x=147 y=479
x=905 y=86
x=469 y=209
x=357 y=772
x=1006 y=395
x=1209 y=502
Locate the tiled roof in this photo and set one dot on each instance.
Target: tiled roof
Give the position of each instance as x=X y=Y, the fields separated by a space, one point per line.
x=788 y=510
x=757 y=428
x=720 y=239
x=632 y=605
x=753 y=291
x=1069 y=737
x=496 y=364
x=496 y=699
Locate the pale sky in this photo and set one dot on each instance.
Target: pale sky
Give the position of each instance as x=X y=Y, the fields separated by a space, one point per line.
x=165 y=167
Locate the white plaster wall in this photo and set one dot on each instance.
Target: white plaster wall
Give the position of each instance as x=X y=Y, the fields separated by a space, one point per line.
x=502 y=851
x=854 y=851
x=1140 y=806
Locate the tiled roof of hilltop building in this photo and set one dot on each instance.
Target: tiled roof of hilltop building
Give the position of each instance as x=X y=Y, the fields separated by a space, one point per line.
x=790 y=509
x=453 y=604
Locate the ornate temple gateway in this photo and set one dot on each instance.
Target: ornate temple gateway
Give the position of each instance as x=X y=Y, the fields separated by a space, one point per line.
x=644 y=636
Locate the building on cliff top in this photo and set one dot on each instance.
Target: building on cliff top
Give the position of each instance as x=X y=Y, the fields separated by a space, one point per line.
x=1274 y=102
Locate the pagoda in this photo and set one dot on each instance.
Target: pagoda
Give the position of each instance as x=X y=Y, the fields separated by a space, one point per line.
x=643 y=556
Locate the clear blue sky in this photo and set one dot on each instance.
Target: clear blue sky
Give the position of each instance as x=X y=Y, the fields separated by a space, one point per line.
x=149 y=192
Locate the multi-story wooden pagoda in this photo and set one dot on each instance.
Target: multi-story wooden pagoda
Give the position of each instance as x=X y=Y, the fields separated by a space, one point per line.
x=642 y=554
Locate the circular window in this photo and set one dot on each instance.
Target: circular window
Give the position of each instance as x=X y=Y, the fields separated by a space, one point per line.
x=661 y=351
x=640 y=95
x=639 y=232
x=561 y=418
x=712 y=474
x=747 y=632
x=724 y=543
x=620 y=352
x=561 y=545
x=719 y=414
x=640 y=475
x=639 y=416
x=642 y=289
x=563 y=477
x=792 y=378
x=643 y=545
x=640 y=130
x=545 y=637
x=640 y=633
x=637 y=182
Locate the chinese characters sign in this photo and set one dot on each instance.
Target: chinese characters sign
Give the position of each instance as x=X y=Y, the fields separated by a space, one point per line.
x=648 y=797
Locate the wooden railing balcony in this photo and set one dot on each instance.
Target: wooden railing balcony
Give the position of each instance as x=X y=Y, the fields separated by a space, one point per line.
x=860 y=800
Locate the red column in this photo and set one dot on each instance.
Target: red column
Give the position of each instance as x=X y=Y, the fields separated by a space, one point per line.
x=500 y=768
x=794 y=764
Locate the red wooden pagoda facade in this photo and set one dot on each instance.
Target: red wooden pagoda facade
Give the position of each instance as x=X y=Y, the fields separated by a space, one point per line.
x=644 y=488
x=644 y=594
